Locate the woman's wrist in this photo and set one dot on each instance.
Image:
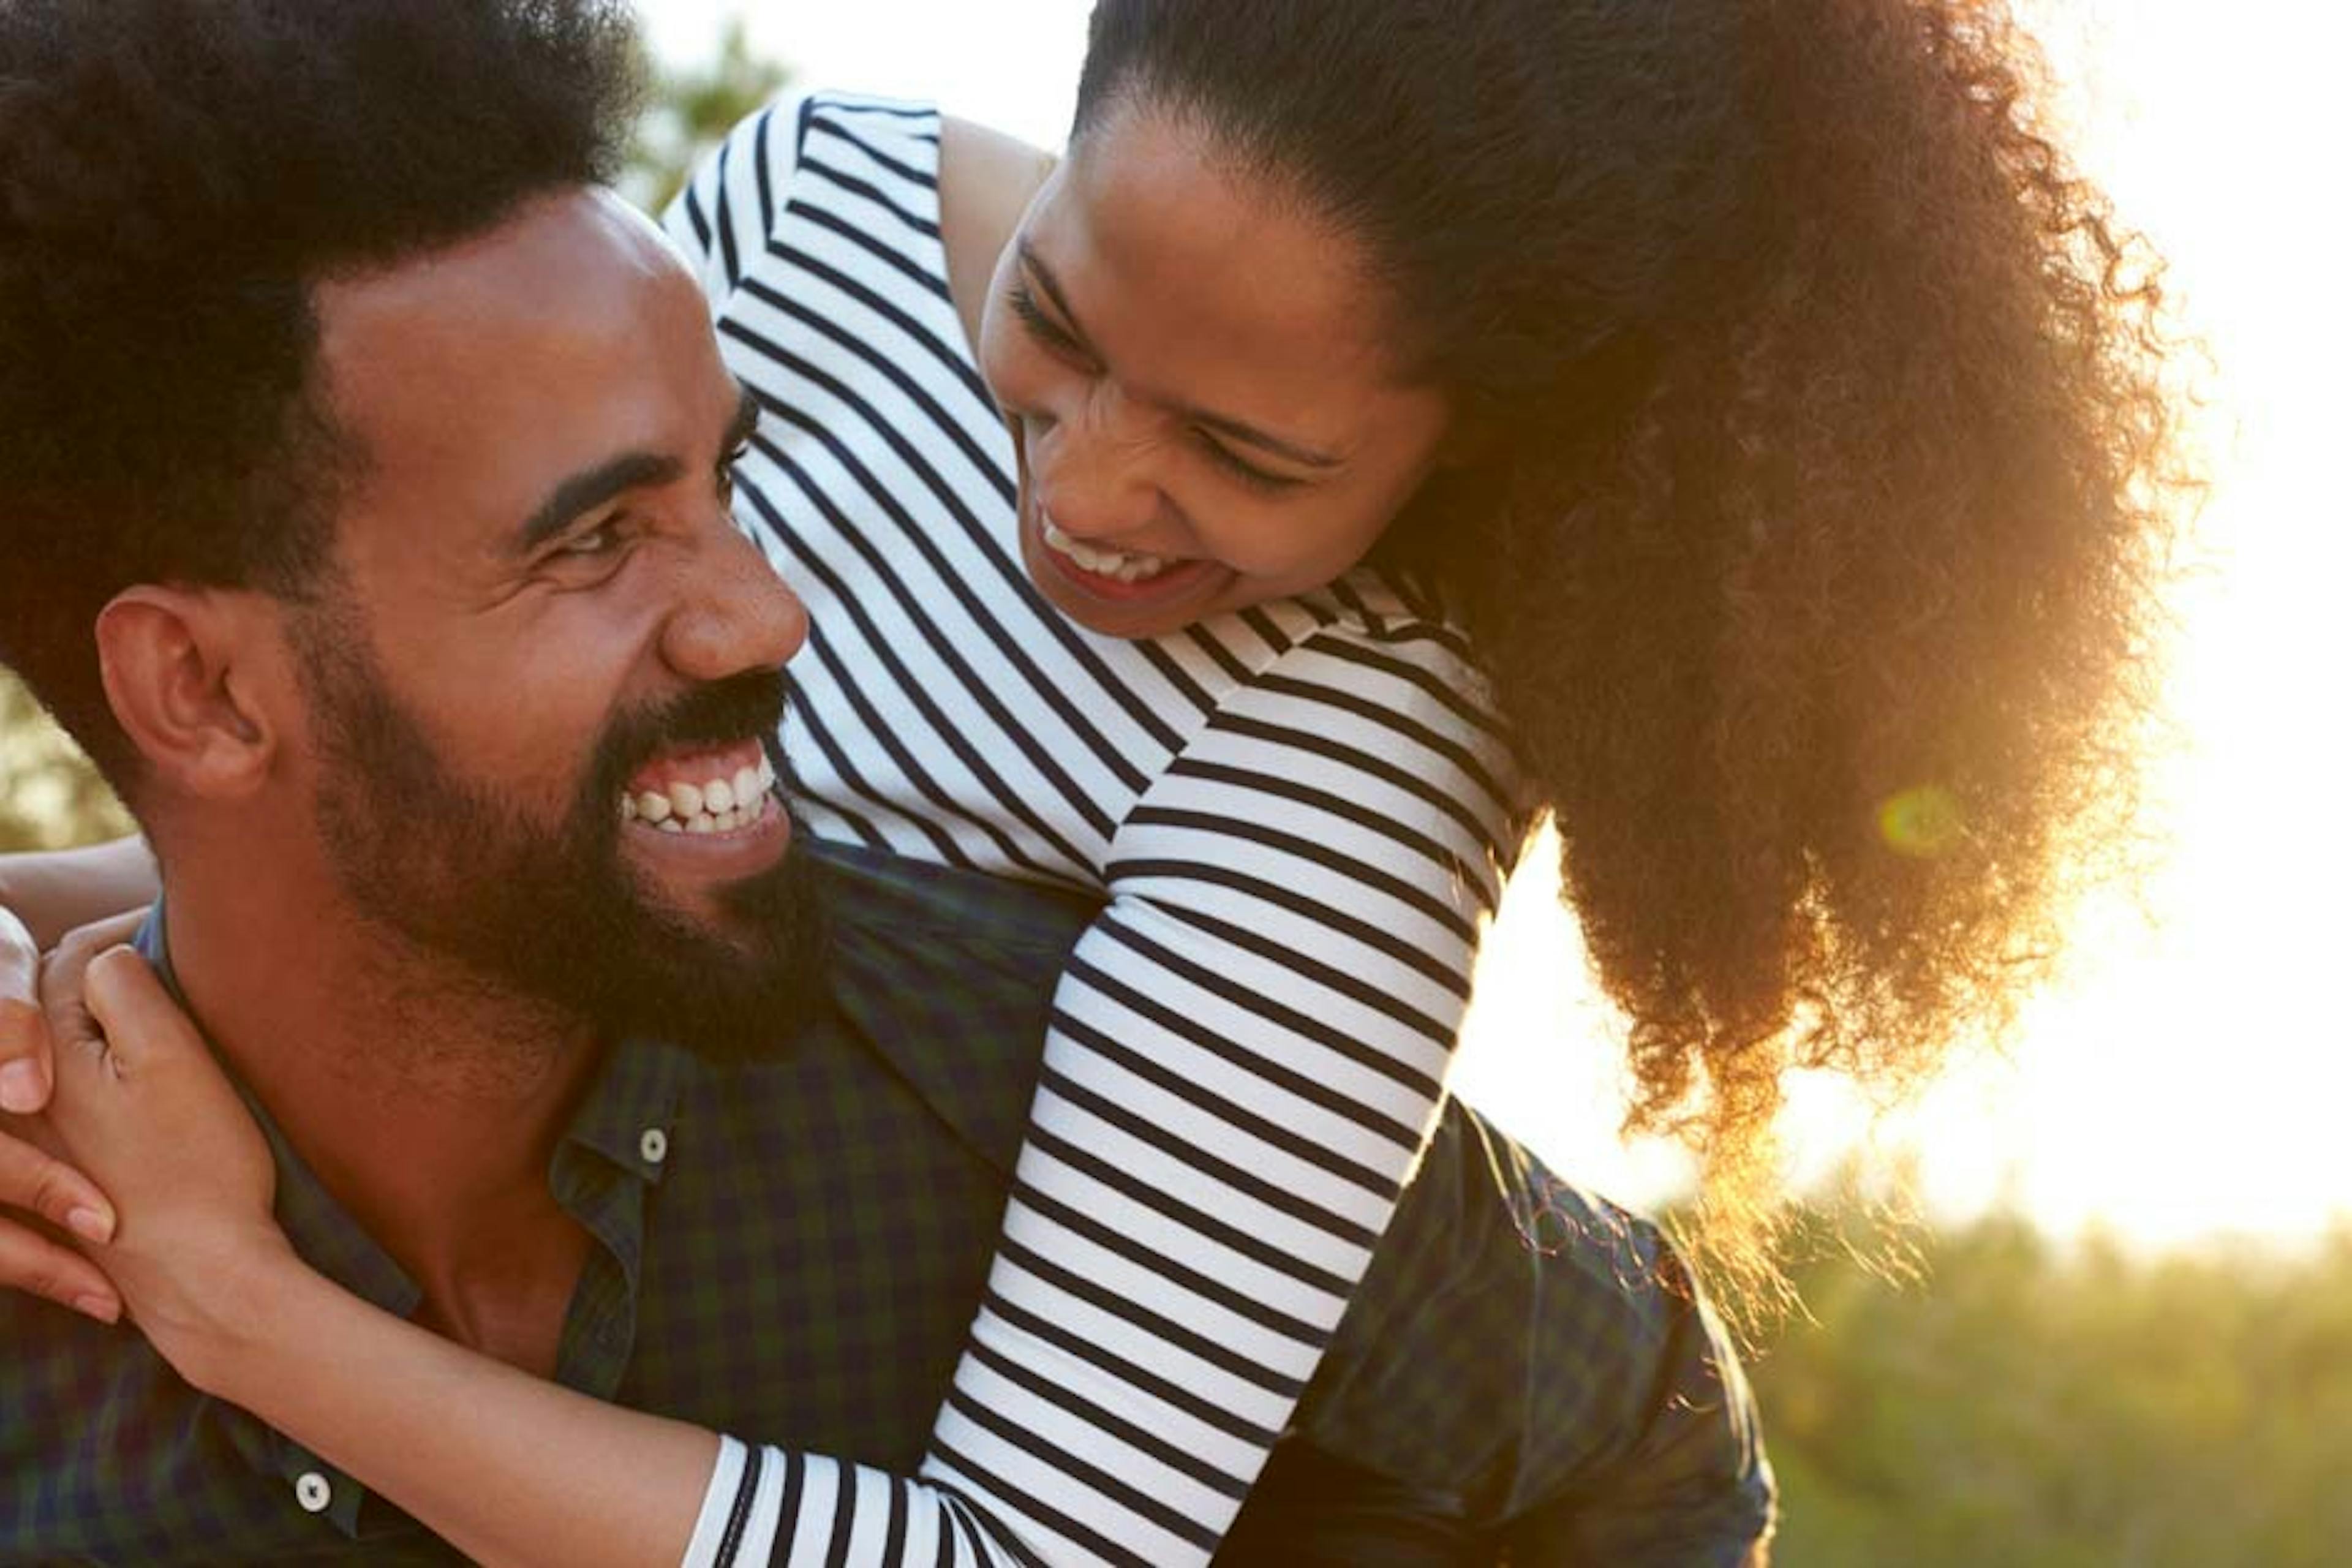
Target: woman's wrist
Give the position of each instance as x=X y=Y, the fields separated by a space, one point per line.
x=223 y=1310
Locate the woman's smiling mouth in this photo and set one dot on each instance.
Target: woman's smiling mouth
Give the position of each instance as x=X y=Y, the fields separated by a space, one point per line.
x=1117 y=574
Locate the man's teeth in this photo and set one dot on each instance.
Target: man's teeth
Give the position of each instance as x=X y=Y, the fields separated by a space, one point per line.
x=1104 y=563
x=719 y=805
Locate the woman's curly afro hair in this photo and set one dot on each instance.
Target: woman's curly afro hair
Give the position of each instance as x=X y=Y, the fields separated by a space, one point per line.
x=1826 y=493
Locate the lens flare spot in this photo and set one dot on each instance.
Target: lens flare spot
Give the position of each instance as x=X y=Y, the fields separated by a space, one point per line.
x=1923 y=822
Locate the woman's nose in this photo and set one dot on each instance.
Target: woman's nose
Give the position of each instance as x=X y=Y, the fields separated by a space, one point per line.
x=1095 y=483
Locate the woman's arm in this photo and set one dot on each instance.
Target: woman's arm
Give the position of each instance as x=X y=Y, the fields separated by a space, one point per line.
x=43 y=895
x=58 y=1200
x=1244 y=1053
x=534 y=1473
x=211 y=1279
x=55 y=890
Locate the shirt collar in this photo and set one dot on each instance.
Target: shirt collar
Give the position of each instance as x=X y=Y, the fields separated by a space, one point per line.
x=623 y=1120
x=322 y=1231
x=636 y=1089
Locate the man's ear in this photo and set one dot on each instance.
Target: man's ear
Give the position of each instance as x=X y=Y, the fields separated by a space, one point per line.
x=194 y=676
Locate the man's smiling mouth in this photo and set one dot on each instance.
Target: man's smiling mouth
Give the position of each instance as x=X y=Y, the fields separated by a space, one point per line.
x=703 y=791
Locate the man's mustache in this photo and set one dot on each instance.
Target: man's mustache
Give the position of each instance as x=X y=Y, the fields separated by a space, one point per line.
x=749 y=706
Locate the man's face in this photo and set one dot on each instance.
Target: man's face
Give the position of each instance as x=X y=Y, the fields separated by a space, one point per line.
x=542 y=616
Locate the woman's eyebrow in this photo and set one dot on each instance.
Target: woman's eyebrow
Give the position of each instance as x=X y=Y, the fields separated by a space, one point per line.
x=1224 y=425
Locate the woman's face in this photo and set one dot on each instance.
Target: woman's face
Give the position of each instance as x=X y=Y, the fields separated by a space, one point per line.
x=1196 y=373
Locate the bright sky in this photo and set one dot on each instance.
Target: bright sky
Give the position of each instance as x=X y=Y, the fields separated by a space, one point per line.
x=2194 y=1078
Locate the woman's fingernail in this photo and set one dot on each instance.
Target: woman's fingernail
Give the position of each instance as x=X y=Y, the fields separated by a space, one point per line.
x=20 y=1088
x=91 y=1225
x=105 y=1309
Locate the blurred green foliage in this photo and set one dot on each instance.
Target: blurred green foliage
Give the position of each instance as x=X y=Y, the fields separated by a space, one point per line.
x=690 y=109
x=49 y=797
x=2026 y=1404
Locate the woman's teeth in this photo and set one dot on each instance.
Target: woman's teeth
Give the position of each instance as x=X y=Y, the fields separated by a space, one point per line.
x=1104 y=563
x=719 y=805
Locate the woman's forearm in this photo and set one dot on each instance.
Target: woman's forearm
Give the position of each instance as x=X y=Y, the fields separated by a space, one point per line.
x=53 y=890
x=508 y=1468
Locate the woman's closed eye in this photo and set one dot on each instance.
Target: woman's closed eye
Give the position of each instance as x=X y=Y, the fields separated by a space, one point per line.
x=1047 y=331
x=1242 y=469
x=1057 y=339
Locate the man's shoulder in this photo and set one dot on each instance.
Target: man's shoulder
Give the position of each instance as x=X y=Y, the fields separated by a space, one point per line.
x=938 y=986
x=1541 y=1356
x=106 y=1455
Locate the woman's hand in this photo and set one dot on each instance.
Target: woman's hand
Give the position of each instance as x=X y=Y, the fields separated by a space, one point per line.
x=142 y=1106
x=34 y=1182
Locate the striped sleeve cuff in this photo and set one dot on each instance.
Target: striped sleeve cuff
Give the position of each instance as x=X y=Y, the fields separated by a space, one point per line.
x=739 y=1508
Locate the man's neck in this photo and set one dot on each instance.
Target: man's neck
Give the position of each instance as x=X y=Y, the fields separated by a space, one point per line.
x=427 y=1100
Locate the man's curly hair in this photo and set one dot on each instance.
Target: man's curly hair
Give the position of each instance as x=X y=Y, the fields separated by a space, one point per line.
x=1827 y=483
x=176 y=176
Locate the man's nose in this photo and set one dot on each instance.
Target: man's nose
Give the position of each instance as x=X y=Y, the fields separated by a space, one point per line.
x=737 y=614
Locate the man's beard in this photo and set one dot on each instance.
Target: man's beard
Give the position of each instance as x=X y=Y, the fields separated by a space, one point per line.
x=553 y=914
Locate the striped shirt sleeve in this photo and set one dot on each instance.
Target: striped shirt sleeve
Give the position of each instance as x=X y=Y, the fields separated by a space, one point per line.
x=1247 y=1049
x=1245 y=1055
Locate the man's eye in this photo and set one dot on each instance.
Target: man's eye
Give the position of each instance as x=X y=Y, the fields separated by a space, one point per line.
x=601 y=540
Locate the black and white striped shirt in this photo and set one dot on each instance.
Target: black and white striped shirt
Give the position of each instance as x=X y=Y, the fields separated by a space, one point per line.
x=1299 y=813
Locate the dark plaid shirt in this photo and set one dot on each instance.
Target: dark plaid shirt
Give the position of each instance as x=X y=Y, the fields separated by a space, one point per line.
x=793 y=1250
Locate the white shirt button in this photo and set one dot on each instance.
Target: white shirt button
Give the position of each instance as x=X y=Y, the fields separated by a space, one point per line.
x=312 y=1492
x=653 y=1145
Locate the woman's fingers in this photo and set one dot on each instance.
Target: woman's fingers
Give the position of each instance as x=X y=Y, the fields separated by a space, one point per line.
x=36 y=1181
x=32 y=1180
x=136 y=1017
x=39 y=1266
x=24 y=1068
x=141 y=1104
x=61 y=983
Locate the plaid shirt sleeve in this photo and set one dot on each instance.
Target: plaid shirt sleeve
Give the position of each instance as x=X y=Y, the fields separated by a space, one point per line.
x=1524 y=1370
x=1527 y=1372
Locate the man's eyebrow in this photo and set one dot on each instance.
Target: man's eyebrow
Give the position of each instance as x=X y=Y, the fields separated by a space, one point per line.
x=1223 y=425
x=594 y=487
